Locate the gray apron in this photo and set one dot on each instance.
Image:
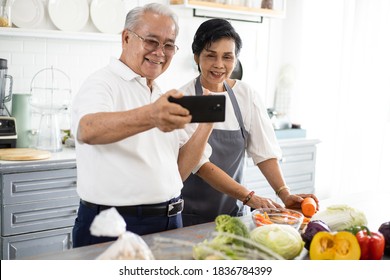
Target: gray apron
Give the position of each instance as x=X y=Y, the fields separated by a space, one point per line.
x=202 y=203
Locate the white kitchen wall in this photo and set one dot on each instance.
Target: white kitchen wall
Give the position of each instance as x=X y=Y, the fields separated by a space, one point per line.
x=79 y=57
x=340 y=50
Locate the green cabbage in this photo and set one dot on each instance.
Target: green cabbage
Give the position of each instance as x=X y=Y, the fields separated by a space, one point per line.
x=282 y=239
x=246 y=250
x=340 y=217
x=231 y=241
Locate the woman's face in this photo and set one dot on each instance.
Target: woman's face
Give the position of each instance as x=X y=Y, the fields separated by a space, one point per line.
x=217 y=63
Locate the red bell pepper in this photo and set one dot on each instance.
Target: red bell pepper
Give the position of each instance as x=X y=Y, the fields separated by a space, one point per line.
x=372 y=244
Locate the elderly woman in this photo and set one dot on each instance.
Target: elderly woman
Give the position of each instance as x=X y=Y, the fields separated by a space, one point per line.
x=247 y=128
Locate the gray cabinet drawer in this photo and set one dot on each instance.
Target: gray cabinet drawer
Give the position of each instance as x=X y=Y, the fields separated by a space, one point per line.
x=27 y=245
x=301 y=155
x=40 y=185
x=37 y=216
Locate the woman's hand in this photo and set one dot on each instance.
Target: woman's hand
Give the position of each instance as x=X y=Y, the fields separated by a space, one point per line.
x=262 y=202
x=293 y=201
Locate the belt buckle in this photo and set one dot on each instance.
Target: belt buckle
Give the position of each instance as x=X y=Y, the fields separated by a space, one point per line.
x=175 y=208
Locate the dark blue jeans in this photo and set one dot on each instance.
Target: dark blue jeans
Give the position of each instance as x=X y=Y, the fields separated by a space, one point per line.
x=137 y=224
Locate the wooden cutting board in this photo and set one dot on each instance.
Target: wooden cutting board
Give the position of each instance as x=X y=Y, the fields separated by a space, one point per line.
x=23 y=154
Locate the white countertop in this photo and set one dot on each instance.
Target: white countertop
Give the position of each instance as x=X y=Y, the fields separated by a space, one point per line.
x=65 y=154
x=64 y=159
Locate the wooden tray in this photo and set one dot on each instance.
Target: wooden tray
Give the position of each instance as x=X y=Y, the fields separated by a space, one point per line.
x=15 y=154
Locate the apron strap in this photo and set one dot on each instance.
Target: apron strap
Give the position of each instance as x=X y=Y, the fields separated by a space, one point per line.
x=237 y=111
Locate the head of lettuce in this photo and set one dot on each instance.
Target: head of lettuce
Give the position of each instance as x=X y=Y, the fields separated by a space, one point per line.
x=282 y=239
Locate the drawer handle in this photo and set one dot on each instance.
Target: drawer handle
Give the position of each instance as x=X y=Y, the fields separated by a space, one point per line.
x=283 y=159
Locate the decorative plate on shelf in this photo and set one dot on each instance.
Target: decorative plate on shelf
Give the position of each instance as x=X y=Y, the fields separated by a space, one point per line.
x=68 y=15
x=108 y=15
x=27 y=13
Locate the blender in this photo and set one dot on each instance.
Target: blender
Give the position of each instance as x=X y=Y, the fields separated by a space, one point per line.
x=8 y=133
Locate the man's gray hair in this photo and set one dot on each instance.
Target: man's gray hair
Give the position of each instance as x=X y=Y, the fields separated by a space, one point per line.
x=133 y=17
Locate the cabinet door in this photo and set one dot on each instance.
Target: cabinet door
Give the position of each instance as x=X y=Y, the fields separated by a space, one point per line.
x=28 y=245
x=37 y=216
x=255 y=180
x=298 y=167
x=40 y=185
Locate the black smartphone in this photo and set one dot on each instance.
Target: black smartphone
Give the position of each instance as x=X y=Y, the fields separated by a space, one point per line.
x=203 y=108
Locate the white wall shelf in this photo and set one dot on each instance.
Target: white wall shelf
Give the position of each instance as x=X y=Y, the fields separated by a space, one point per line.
x=212 y=9
x=58 y=34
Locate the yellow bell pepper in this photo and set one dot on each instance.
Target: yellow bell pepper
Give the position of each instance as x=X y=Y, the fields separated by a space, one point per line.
x=341 y=245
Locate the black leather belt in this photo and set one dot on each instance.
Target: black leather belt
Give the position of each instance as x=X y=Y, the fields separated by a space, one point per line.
x=161 y=209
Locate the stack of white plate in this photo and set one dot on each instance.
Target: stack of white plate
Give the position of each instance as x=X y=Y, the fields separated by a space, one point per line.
x=27 y=13
x=71 y=15
x=68 y=15
x=108 y=15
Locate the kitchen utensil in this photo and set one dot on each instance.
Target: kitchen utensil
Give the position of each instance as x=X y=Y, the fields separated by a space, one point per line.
x=5 y=13
x=5 y=95
x=50 y=94
x=267 y=4
x=7 y=123
x=68 y=15
x=108 y=15
x=8 y=134
x=21 y=111
x=27 y=13
x=16 y=154
x=237 y=71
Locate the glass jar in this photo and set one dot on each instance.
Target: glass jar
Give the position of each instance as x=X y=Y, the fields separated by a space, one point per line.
x=5 y=13
x=267 y=4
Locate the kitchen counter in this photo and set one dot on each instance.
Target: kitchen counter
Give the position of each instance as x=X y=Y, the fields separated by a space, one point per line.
x=38 y=204
x=162 y=249
x=64 y=158
x=367 y=202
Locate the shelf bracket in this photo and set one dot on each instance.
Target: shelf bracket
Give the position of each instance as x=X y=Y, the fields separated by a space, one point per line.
x=260 y=20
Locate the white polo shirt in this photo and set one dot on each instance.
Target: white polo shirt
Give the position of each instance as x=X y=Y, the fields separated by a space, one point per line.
x=141 y=169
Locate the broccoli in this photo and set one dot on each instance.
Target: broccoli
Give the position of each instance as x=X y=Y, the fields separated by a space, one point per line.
x=232 y=225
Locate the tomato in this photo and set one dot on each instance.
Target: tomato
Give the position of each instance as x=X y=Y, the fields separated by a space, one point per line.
x=342 y=245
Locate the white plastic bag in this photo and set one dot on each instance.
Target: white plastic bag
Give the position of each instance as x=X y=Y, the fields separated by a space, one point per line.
x=128 y=246
x=108 y=223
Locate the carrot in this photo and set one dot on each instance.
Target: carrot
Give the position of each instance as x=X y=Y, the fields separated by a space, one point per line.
x=306 y=220
x=309 y=207
x=264 y=219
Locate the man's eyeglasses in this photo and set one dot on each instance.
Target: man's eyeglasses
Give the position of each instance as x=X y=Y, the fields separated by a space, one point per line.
x=152 y=45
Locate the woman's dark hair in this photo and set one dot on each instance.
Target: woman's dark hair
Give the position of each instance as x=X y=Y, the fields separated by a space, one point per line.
x=211 y=31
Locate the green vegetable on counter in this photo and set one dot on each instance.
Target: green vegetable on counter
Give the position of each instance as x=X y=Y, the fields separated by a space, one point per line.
x=281 y=239
x=340 y=217
x=231 y=242
x=233 y=225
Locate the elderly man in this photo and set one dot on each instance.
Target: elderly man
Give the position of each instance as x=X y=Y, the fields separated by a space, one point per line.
x=132 y=152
